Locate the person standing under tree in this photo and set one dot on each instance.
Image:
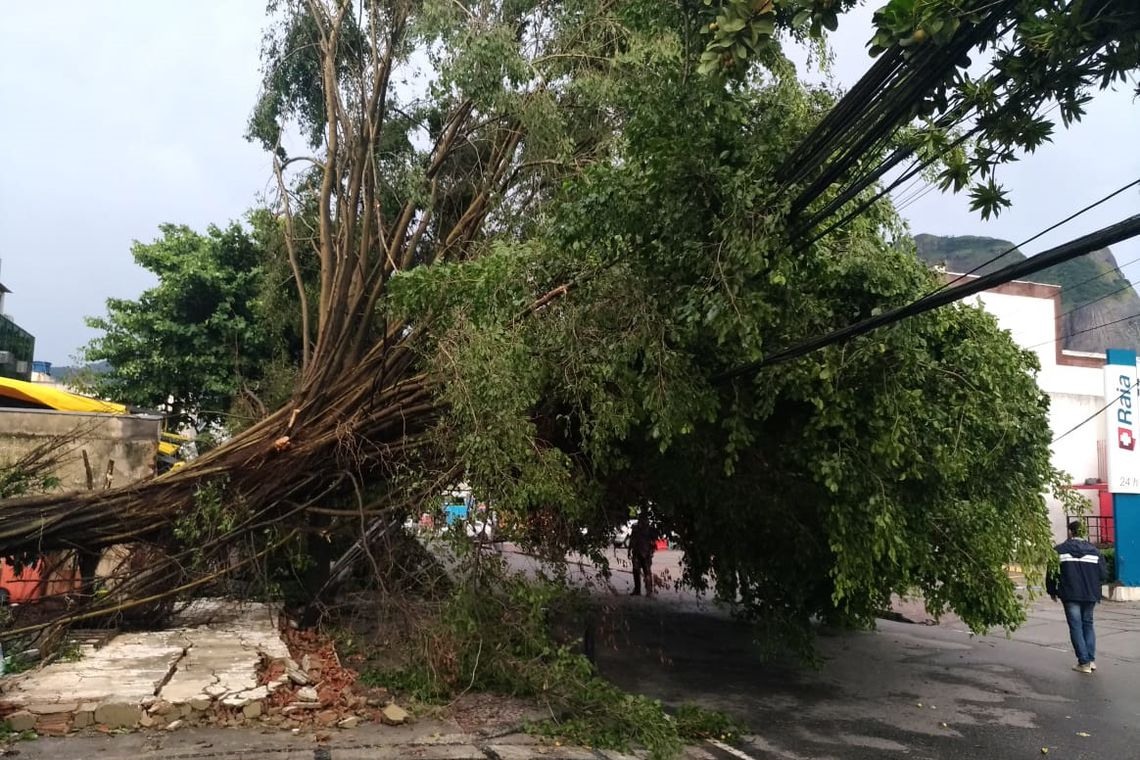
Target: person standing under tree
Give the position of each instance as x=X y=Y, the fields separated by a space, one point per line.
x=642 y=544
x=1077 y=582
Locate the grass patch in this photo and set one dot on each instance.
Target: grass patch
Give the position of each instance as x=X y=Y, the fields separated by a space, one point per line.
x=8 y=735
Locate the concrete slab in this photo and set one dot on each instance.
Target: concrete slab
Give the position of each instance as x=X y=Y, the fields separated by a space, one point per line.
x=1125 y=594
x=129 y=668
x=214 y=651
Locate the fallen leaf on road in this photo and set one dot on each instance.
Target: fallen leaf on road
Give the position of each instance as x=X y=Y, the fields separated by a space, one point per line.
x=1082 y=733
x=1044 y=750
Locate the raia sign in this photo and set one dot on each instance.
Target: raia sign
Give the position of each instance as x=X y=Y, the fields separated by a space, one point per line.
x=1122 y=415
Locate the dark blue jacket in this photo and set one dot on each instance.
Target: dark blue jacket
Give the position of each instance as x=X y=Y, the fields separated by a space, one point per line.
x=1081 y=573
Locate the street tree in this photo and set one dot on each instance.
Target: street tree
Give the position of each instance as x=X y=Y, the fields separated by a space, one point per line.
x=197 y=340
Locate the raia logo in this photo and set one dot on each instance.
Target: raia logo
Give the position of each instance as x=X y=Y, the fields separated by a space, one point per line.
x=1125 y=438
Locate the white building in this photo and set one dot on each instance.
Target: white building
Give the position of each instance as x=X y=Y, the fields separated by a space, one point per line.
x=1074 y=380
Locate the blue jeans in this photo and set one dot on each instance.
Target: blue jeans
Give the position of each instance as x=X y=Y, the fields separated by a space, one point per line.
x=1080 y=618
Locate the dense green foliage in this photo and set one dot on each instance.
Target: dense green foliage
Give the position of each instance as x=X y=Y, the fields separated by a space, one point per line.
x=913 y=458
x=205 y=334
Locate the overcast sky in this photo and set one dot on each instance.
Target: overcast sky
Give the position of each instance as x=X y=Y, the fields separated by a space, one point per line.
x=120 y=115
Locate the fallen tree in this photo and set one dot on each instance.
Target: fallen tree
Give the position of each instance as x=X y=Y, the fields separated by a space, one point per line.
x=530 y=270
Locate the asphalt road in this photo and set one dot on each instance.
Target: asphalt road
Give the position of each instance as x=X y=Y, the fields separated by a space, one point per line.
x=904 y=690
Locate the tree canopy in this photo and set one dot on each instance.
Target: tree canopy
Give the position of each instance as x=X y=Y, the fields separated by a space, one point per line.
x=192 y=344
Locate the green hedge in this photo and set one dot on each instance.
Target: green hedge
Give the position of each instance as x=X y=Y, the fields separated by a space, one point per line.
x=1109 y=555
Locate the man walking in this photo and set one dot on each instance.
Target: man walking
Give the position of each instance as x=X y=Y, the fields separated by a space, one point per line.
x=1077 y=583
x=642 y=545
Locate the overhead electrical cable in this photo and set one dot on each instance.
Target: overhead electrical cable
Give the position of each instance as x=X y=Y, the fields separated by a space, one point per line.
x=1082 y=246
x=1084 y=330
x=880 y=103
x=1040 y=234
x=1088 y=419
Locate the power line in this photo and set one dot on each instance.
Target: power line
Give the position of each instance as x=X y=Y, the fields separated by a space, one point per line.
x=951 y=120
x=1097 y=413
x=1084 y=330
x=911 y=201
x=1040 y=234
x=1084 y=245
x=1088 y=419
x=1127 y=286
x=1118 y=270
x=1110 y=294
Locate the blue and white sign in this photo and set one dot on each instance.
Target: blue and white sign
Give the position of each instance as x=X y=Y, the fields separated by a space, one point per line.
x=1122 y=421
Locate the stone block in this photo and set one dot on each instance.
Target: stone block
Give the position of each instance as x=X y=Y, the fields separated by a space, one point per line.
x=84 y=715
x=174 y=725
x=258 y=693
x=200 y=703
x=350 y=722
x=148 y=721
x=118 y=714
x=161 y=707
x=252 y=710
x=54 y=725
x=394 y=715
x=298 y=676
x=21 y=720
x=307 y=694
x=54 y=708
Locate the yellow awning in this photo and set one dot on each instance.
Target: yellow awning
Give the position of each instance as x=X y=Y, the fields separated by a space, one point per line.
x=53 y=398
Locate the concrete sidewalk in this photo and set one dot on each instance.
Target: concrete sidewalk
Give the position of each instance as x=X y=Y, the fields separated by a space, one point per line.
x=1117 y=629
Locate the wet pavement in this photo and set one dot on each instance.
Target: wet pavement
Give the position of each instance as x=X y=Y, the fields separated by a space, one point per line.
x=905 y=690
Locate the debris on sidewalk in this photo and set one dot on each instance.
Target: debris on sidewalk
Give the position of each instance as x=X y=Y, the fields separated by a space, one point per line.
x=223 y=664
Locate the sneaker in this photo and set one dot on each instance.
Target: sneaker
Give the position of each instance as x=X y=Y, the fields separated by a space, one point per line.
x=1086 y=668
x=1093 y=664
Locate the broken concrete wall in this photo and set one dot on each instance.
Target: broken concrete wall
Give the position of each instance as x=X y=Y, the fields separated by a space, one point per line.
x=131 y=442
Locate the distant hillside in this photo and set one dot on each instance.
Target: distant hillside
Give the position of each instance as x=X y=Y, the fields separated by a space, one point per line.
x=1094 y=291
x=65 y=375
